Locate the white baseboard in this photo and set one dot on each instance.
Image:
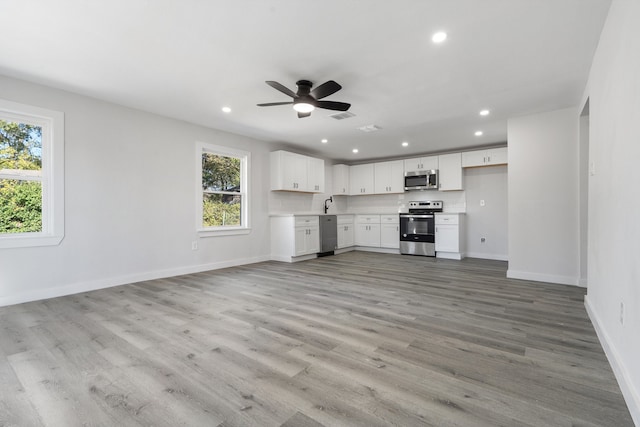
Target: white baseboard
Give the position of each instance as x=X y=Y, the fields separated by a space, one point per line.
x=343 y=250
x=76 y=288
x=379 y=250
x=449 y=255
x=538 y=277
x=629 y=391
x=482 y=255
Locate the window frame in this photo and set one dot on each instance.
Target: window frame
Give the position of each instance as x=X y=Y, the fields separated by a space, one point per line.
x=245 y=159
x=52 y=124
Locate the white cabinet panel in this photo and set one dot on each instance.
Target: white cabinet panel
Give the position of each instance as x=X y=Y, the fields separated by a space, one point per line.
x=421 y=164
x=390 y=236
x=367 y=235
x=295 y=172
x=489 y=157
x=294 y=236
x=390 y=231
x=341 y=180
x=315 y=175
x=361 y=179
x=367 y=231
x=450 y=172
x=450 y=236
x=346 y=232
x=389 y=177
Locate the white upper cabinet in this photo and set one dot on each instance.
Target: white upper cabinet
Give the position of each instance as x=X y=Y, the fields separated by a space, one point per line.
x=421 y=164
x=315 y=175
x=489 y=157
x=450 y=172
x=389 y=177
x=341 y=180
x=361 y=179
x=295 y=172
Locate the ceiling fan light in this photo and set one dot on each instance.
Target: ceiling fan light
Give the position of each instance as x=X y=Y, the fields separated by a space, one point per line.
x=303 y=107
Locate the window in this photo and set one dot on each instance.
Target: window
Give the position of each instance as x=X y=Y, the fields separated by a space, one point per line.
x=31 y=176
x=222 y=196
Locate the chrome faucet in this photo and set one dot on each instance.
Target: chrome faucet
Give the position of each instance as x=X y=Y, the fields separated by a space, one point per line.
x=326 y=208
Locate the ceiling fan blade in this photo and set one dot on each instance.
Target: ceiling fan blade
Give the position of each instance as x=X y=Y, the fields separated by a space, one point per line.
x=281 y=88
x=302 y=115
x=333 y=105
x=271 y=104
x=325 y=89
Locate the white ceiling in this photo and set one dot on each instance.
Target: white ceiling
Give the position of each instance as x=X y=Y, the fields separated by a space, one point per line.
x=186 y=59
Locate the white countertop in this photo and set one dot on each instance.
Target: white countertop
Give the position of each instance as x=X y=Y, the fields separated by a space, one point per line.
x=287 y=214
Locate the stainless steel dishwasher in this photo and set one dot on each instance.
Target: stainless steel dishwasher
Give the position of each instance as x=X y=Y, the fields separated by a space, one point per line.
x=328 y=234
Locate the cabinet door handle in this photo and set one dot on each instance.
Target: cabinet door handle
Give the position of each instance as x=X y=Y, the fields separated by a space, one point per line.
x=488 y=159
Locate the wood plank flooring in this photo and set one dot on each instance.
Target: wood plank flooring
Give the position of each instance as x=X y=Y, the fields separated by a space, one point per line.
x=357 y=339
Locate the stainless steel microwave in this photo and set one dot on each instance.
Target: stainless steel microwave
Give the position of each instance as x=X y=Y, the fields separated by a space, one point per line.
x=421 y=180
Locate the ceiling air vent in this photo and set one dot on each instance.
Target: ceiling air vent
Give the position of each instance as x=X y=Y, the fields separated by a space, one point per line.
x=341 y=116
x=369 y=128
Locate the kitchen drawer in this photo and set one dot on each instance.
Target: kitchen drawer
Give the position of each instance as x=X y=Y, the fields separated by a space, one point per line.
x=446 y=219
x=389 y=219
x=302 y=221
x=345 y=219
x=368 y=219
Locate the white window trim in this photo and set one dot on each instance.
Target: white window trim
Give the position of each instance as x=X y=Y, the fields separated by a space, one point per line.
x=245 y=162
x=52 y=124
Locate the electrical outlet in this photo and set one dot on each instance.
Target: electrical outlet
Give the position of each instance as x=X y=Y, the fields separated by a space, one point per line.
x=194 y=245
x=482 y=240
x=622 y=313
x=482 y=202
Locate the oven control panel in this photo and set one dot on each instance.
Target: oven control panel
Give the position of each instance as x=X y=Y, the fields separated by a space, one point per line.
x=428 y=204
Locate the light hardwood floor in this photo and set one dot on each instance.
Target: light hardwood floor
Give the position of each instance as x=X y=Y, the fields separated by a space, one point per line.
x=359 y=339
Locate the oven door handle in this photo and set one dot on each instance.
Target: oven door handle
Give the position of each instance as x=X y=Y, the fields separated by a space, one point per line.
x=417 y=216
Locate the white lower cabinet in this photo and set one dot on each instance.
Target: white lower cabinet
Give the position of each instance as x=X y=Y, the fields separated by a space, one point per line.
x=450 y=236
x=367 y=232
x=294 y=236
x=390 y=231
x=346 y=232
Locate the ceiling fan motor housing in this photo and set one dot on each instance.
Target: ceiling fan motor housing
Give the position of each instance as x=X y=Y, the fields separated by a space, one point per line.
x=304 y=87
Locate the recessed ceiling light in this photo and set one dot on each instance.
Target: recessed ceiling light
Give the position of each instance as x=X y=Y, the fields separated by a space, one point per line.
x=484 y=112
x=478 y=133
x=226 y=109
x=355 y=150
x=439 y=37
x=324 y=141
x=405 y=144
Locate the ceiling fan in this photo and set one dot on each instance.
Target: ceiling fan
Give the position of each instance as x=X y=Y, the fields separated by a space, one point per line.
x=306 y=100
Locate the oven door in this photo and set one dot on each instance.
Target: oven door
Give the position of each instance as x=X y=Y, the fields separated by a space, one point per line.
x=417 y=228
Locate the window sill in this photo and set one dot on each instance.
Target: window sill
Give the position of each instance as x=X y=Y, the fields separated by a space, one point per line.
x=209 y=232
x=8 y=241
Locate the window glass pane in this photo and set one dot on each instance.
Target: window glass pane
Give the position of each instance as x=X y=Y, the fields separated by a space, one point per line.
x=20 y=146
x=20 y=206
x=20 y=177
x=220 y=173
x=220 y=210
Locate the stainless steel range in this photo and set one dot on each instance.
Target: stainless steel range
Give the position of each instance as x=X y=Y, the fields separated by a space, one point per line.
x=417 y=228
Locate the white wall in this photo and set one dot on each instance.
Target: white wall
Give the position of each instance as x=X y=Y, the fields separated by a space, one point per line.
x=614 y=195
x=130 y=201
x=543 y=197
x=489 y=221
